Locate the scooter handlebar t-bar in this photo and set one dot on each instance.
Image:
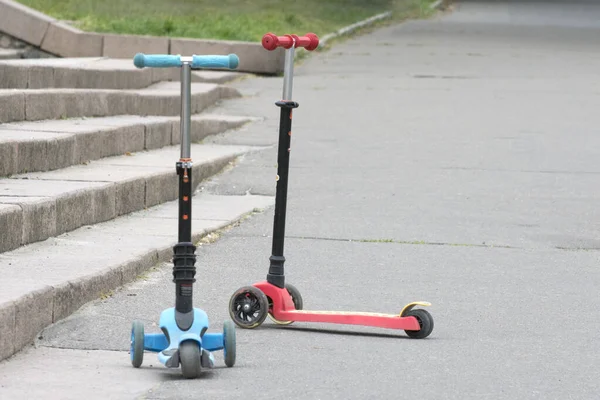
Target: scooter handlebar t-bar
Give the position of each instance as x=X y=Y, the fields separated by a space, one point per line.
x=310 y=41
x=141 y=60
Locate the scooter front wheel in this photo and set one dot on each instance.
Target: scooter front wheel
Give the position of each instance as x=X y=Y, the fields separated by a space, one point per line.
x=229 y=343
x=189 y=356
x=136 y=348
x=296 y=299
x=248 y=307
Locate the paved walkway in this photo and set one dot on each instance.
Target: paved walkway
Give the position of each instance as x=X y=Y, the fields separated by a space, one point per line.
x=459 y=156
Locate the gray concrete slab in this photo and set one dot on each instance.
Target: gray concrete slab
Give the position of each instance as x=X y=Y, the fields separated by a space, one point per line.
x=93 y=73
x=41 y=104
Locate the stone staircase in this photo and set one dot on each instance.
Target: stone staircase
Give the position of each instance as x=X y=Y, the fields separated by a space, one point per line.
x=88 y=147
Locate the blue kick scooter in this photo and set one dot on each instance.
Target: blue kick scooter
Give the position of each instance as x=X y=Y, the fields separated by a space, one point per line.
x=184 y=340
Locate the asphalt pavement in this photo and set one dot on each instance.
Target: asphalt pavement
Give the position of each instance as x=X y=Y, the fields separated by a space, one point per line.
x=452 y=160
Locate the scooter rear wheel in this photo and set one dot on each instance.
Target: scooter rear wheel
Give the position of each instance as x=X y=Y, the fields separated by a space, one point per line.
x=248 y=307
x=189 y=357
x=425 y=321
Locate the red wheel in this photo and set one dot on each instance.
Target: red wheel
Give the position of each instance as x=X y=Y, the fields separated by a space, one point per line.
x=296 y=298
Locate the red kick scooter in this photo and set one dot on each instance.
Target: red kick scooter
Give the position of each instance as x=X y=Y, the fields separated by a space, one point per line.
x=250 y=305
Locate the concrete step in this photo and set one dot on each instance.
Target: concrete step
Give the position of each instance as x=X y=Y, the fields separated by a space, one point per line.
x=9 y=54
x=54 y=202
x=161 y=98
x=94 y=73
x=54 y=144
x=45 y=282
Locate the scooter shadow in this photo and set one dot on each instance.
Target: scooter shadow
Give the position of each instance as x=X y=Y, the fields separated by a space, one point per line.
x=170 y=375
x=337 y=332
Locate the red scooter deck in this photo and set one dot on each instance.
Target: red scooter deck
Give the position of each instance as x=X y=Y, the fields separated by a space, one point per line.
x=283 y=312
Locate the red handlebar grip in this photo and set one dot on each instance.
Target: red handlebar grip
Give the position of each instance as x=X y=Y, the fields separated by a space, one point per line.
x=271 y=41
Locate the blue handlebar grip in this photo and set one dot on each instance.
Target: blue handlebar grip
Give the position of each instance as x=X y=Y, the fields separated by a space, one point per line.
x=156 y=60
x=230 y=62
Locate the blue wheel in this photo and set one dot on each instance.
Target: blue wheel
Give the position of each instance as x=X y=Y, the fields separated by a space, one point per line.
x=229 y=343
x=136 y=349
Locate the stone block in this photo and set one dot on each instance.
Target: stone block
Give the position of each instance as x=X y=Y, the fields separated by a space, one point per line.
x=65 y=41
x=253 y=57
x=39 y=219
x=91 y=287
x=11 y=221
x=43 y=154
x=165 y=74
x=204 y=127
x=13 y=106
x=7 y=330
x=60 y=151
x=96 y=77
x=121 y=103
x=78 y=103
x=110 y=141
x=105 y=203
x=73 y=210
x=133 y=268
x=32 y=156
x=130 y=196
x=8 y=157
x=127 y=46
x=70 y=296
x=124 y=139
x=165 y=254
x=23 y=22
x=39 y=77
x=43 y=105
x=89 y=146
x=66 y=300
x=208 y=169
x=161 y=188
x=33 y=312
x=13 y=76
x=201 y=101
x=64 y=103
x=158 y=134
x=157 y=104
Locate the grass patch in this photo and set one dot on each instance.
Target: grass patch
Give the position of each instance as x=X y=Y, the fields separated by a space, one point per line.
x=245 y=20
